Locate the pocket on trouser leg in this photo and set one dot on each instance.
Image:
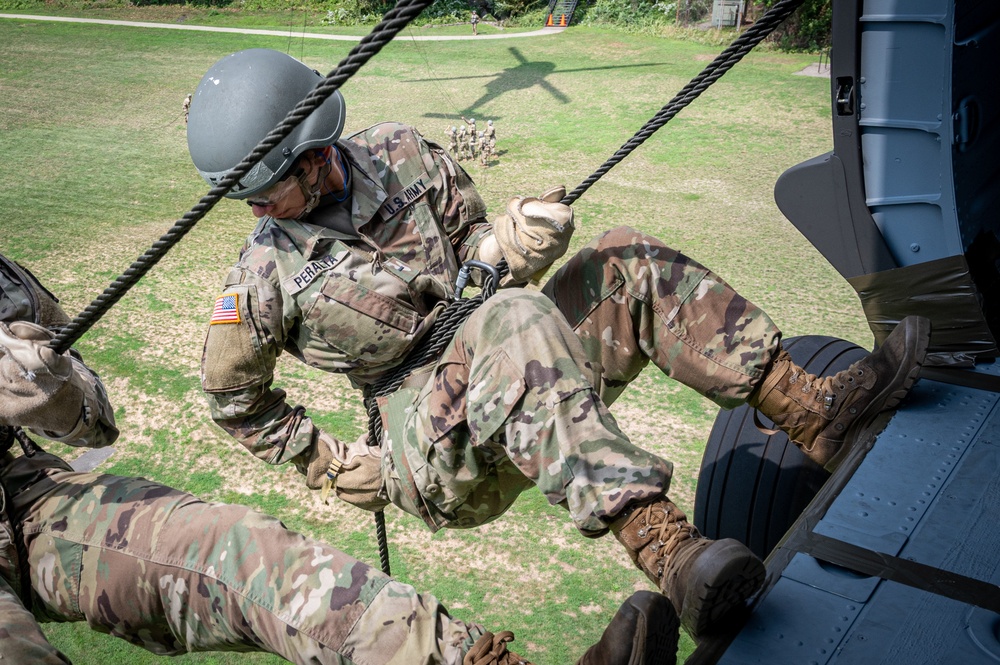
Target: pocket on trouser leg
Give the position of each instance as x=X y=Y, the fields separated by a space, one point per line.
x=723 y=341
x=56 y=565
x=441 y=447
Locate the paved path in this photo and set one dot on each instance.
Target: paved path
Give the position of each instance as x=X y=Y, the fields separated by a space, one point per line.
x=278 y=33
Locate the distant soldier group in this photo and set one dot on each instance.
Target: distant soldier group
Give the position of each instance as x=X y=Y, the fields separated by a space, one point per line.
x=465 y=142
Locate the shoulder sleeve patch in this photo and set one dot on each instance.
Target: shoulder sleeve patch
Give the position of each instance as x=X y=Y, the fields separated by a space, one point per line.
x=233 y=356
x=227 y=309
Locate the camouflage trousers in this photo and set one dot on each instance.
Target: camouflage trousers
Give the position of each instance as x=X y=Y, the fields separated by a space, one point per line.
x=520 y=397
x=172 y=574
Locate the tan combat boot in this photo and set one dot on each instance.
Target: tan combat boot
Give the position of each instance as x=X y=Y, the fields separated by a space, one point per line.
x=704 y=579
x=820 y=415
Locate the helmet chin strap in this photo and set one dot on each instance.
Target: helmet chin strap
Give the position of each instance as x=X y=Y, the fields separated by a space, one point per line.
x=312 y=194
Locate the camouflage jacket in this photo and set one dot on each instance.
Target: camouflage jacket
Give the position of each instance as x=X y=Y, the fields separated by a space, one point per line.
x=352 y=302
x=23 y=298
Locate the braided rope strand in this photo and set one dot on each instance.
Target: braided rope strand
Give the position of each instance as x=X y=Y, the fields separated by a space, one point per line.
x=392 y=23
x=709 y=75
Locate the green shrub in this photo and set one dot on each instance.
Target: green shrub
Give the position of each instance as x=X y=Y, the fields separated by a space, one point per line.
x=807 y=29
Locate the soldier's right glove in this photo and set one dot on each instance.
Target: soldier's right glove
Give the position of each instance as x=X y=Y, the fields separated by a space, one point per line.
x=353 y=472
x=532 y=235
x=39 y=389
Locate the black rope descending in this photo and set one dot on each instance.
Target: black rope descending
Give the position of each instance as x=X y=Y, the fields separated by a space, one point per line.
x=722 y=64
x=426 y=351
x=391 y=24
x=457 y=311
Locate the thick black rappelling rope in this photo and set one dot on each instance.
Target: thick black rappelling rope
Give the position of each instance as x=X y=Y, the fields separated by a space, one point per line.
x=458 y=311
x=722 y=64
x=392 y=23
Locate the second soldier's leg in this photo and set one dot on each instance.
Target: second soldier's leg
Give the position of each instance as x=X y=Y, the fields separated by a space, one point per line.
x=21 y=638
x=632 y=300
x=172 y=574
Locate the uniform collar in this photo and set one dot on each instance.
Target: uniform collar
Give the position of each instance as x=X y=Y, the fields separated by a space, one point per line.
x=367 y=192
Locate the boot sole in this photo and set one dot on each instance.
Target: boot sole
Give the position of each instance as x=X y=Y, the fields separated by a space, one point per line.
x=657 y=632
x=722 y=579
x=917 y=332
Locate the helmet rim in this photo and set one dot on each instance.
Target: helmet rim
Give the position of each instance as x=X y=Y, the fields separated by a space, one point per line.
x=240 y=100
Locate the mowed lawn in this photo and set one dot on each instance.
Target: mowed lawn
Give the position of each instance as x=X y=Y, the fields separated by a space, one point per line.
x=95 y=168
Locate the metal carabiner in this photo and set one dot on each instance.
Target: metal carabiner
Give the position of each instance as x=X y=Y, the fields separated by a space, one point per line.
x=465 y=272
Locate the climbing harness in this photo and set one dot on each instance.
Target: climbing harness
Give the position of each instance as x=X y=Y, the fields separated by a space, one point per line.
x=459 y=309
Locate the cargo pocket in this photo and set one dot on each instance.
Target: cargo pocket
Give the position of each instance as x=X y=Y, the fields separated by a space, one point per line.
x=496 y=387
x=360 y=321
x=464 y=456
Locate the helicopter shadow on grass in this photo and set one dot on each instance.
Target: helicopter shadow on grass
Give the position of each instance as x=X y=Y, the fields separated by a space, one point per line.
x=526 y=74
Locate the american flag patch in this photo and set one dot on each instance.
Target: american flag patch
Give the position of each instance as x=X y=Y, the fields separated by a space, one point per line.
x=226 y=309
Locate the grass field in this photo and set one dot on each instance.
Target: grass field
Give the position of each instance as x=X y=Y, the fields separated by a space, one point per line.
x=95 y=169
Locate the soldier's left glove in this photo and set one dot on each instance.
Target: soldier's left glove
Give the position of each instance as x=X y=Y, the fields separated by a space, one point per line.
x=353 y=472
x=39 y=389
x=532 y=235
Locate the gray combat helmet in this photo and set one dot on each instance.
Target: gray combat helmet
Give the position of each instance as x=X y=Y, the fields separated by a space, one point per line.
x=240 y=100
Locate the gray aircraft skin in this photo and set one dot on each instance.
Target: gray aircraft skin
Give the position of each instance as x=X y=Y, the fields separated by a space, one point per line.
x=895 y=558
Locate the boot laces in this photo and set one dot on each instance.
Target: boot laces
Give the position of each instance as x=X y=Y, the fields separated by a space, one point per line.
x=491 y=649
x=829 y=391
x=669 y=528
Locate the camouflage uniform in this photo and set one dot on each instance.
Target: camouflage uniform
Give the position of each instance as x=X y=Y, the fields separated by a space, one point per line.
x=484 y=150
x=452 y=135
x=519 y=396
x=170 y=573
x=471 y=142
x=463 y=143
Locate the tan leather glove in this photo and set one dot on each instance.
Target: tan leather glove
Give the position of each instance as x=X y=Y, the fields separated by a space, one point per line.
x=353 y=472
x=532 y=235
x=39 y=389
